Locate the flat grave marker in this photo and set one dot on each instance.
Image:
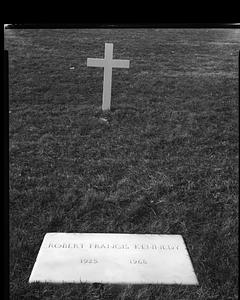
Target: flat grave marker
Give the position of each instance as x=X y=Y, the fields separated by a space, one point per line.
x=113 y=258
x=107 y=63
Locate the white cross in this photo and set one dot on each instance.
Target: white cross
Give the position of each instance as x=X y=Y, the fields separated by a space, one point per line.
x=107 y=63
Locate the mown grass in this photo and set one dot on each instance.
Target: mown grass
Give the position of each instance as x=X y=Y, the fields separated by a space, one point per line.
x=165 y=162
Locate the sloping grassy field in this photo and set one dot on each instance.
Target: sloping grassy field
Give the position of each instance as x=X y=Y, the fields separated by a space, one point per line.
x=165 y=162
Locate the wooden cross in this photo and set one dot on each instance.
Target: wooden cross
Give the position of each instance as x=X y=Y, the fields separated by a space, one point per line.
x=107 y=63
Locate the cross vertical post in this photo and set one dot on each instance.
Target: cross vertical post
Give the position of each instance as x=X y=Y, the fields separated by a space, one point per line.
x=107 y=79
x=107 y=63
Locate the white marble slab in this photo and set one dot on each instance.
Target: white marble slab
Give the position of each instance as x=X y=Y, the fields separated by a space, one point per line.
x=113 y=258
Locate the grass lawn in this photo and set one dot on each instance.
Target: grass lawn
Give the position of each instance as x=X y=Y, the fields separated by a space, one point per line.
x=166 y=162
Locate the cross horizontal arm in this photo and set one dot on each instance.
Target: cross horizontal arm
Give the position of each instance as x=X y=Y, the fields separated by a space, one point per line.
x=95 y=62
x=120 y=63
